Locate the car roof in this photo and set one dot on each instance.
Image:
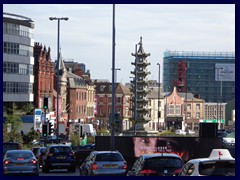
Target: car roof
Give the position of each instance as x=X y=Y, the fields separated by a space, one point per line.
x=59 y=145
x=216 y=155
x=102 y=152
x=19 y=151
x=146 y=156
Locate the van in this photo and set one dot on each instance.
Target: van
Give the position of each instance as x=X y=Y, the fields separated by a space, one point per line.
x=88 y=129
x=11 y=146
x=84 y=129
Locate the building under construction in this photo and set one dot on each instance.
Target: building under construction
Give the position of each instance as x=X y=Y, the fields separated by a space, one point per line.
x=210 y=75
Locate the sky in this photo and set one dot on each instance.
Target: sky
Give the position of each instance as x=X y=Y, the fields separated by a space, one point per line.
x=87 y=36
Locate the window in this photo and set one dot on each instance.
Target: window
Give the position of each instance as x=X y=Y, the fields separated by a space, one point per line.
x=198 y=115
x=178 y=109
x=119 y=100
x=171 y=109
x=102 y=88
x=197 y=106
x=188 y=106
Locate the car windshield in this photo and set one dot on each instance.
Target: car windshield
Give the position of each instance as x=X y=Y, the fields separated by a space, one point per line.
x=19 y=154
x=231 y=135
x=163 y=162
x=217 y=168
x=109 y=157
x=60 y=149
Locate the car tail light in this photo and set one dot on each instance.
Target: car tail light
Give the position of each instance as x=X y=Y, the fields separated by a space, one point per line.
x=94 y=166
x=125 y=165
x=176 y=172
x=7 y=162
x=32 y=161
x=147 y=172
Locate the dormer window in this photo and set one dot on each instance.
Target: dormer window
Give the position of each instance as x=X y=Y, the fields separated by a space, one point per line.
x=102 y=88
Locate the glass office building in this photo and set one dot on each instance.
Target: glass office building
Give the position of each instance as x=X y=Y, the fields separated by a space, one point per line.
x=200 y=73
x=18 y=60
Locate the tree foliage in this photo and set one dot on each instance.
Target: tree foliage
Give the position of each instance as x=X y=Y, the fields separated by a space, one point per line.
x=12 y=125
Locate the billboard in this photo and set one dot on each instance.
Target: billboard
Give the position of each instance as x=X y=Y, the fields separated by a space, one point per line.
x=224 y=72
x=186 y=147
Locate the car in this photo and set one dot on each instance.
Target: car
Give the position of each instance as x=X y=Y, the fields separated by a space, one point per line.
x=40 y=152
x=20 y=162
x=35 y=150
x=219 y=163
x=180 y=132
x=191 y=131
x=229 y=140
x=58 y=156
x=11 y=146
x=104 y=163
x=221 y=134
x=157 y=164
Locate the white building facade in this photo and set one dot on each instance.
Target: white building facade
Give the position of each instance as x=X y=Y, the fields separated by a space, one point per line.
x=18 y=60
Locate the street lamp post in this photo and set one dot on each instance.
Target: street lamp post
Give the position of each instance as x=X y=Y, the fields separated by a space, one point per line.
x=112 y=139
x=158 y=92
x=216 y=68
x=57 y=82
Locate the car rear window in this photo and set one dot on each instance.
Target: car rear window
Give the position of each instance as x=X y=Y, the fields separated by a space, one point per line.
x=19 y=154
x=217 y=168
x=109 y=157
x=60 y=149
x=164 y=162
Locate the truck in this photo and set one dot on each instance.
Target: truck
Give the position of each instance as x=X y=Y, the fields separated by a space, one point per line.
x=84 y=129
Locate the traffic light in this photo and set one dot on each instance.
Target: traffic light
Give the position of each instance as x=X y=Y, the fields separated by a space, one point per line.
x=50 y=129
x=116 y=119
x=45 y=103
x=44 y=130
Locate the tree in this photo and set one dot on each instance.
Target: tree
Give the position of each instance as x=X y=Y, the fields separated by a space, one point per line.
x=12 y=125
x=32 y=135
x=28 y=108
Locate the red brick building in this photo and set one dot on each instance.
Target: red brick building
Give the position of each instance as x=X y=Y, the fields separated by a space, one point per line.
x=43 y=76
x=104 y=104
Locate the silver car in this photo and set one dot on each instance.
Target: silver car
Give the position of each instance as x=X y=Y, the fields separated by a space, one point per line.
x=104 y=163
x=20 y=162
x=219 y=163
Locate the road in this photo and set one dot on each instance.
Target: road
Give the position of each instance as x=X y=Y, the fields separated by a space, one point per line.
x=59 y=172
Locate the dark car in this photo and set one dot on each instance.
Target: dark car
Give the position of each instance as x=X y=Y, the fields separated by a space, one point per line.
x=40 y=152
x=11 y=146
x=59 y=157
x=104 y=163
x=20 y=162
x=156 y=165
x=35 y=150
